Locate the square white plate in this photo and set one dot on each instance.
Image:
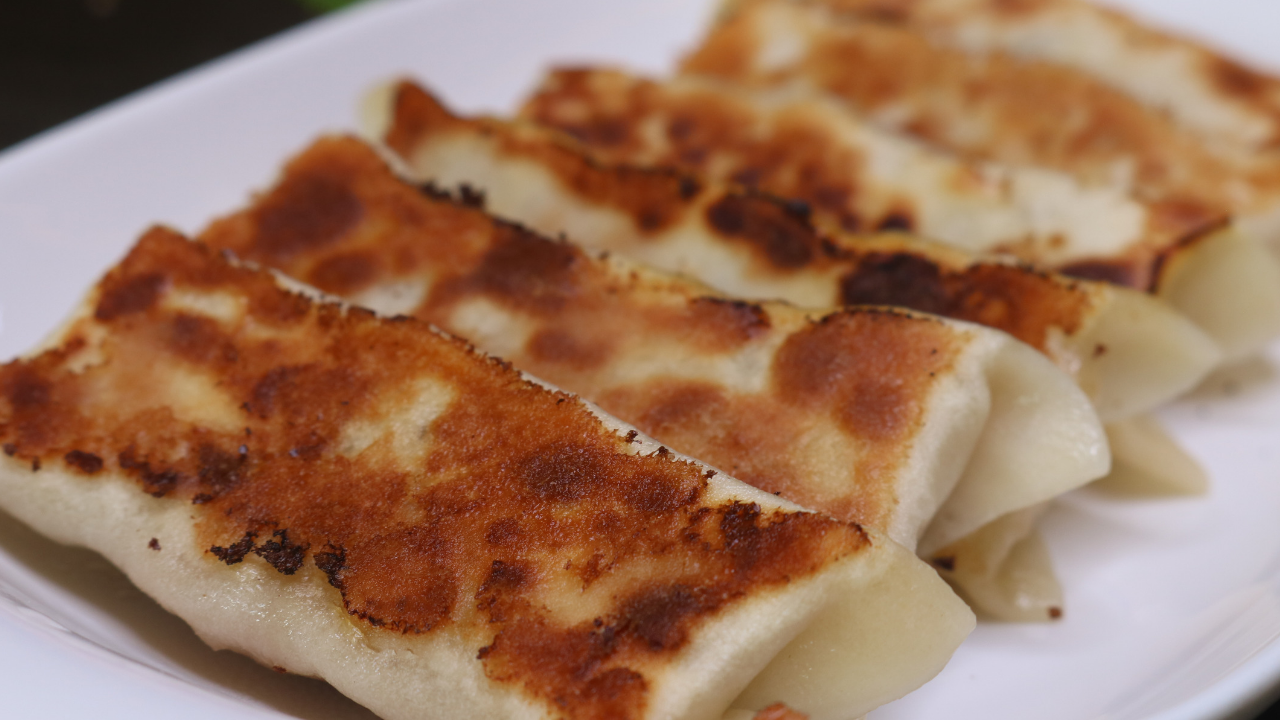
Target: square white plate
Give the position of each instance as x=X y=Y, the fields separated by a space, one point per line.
x=1173 y=607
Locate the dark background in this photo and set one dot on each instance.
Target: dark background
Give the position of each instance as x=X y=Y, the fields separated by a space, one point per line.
x=60 y=58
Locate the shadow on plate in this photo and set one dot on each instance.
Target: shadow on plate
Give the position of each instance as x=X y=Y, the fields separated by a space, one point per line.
x=1242 y=378
x=93 y=580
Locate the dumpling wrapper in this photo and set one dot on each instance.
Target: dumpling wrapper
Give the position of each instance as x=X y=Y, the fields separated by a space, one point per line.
x=1004 y=570
x=853 y=174
x=1233 y=109
x=1031 y=114
x=856 y=176
x=916 y=426
x=1128 y=351
x=658 y=216
x=372 y=502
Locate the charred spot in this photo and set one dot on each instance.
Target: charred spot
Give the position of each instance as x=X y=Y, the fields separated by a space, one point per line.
x=465 y=195
x=293 y=390
x=899 y=279
x=528 y=269
x=886 y=13
x=269 y=387
x=332 y=561
x=471 y=197
x=582 y=685
x=284 y=556
x=502 y=578
x=85 y=462
x=1116 y=273
x=659 y=616
x=153 y=544
x=311 y=450
x=895 y=222
x=742 y=535
x=592 y=569
x=1236 y=79
x=564 y=473
x=616 y=692
x=220 y=470
x=27 y=390
x=748 y=177
x=569 y=348
x=849 y=221
x=10 y=449
x=676 y=409
x=600 y=131
x=346 y=273
x=681 y=128
x=435 y=192
x=689 y=187
x=502 y=532
x=1055 y=613
x=799 y=209
x=127 y=296
x=739 y=319
x=655 y=493
x=307 y=211
x=235 y=552
x=200 y=340
x=786 y=241
x=651 y=219
x=201 y=499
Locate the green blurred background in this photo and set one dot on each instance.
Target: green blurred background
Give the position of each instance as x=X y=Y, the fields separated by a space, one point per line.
x=61 y=58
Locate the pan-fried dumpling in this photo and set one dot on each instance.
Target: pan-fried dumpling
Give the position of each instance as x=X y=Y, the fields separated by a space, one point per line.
x=795 y=143
x=854 y=175
x=1129 y=352
x=369 y=501
x=1031 y=114
x=1232 y=110
x=1203 y=91
x=910 y=424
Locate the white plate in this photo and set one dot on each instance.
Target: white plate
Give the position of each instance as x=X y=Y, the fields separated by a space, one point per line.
x=1173 y=607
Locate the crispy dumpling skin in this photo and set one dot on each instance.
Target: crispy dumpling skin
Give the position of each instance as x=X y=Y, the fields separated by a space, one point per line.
x=994 y=107
x=1129 y=352
x=1203 y=90
x=853 y=175
x=370 y=501
x=913 y=425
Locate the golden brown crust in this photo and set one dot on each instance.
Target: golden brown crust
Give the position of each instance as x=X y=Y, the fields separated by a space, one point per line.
x=1016 y=110
x=886 y=269
x=715 y=135
x=614 y=113
x=652 y=196
x=295 y=429
x=1238 y=84
x=588 y=323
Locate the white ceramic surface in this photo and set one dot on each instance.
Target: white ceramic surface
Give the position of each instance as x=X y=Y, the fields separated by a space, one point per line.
x=1173 y=607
